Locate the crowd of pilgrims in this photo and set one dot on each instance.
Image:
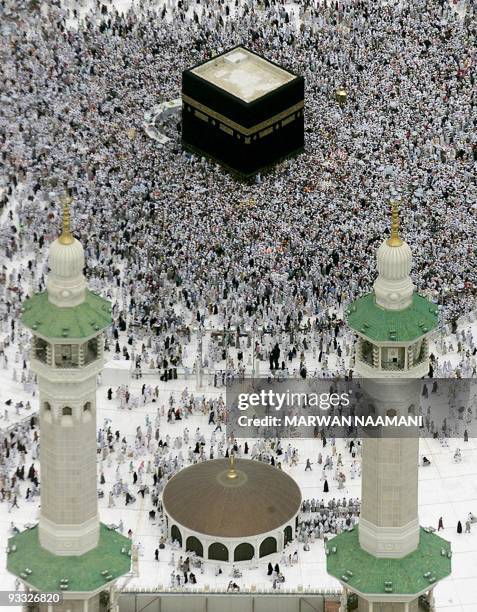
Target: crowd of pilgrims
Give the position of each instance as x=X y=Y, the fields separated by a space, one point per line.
x=139 y=466
x=179 y=245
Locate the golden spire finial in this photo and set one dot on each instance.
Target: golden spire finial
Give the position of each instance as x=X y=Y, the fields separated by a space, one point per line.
x=66 y=235
x=394 y=239
x=231 y=473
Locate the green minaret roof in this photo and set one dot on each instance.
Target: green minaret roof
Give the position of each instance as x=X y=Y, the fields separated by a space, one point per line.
x=76 y=322
x=381 y=325
x=89 y=572
x=416 y=572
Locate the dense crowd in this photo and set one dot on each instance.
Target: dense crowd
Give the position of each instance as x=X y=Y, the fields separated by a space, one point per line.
x=179 y=245
x=176 y=241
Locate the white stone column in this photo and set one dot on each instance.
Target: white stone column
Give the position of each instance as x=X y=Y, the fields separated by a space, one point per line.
x=69 y=520
x=344 y=600
x=389 y=525
x=113 y=599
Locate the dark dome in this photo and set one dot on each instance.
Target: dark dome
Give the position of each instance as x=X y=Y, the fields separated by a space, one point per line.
x=204 y=498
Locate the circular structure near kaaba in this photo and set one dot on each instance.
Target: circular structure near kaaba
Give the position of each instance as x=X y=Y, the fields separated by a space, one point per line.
x=232 y=510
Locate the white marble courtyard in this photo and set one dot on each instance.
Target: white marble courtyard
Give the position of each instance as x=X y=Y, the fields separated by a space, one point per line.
x=446 y=489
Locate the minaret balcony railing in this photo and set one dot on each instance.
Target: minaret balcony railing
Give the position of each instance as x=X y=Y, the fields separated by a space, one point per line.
x=73 y=374
x=367 y=369
x=395 y=366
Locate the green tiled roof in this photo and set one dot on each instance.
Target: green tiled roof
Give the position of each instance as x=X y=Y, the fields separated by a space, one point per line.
x=81 y=321
x=376 y=323
x=368 y=573
x=84 y=572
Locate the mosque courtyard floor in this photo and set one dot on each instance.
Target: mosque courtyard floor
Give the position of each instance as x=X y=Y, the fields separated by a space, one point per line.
x=446 y=489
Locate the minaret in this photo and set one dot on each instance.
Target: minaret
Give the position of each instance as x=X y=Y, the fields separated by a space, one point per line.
x=67 y=324
x=67 y=369
x=389 y=525
x=389 y=561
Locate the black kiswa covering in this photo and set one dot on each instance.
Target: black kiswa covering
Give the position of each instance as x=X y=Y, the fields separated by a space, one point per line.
x=243 y=136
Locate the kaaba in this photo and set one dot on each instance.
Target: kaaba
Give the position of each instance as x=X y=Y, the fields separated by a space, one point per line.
x=243 y=111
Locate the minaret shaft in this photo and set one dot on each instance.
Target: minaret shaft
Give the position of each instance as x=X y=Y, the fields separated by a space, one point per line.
x=389 y=525
x=69 y=520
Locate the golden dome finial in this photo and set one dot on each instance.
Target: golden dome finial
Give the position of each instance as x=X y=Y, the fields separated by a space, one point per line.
x=394 y=239
x=66 y=235
x=232 y=472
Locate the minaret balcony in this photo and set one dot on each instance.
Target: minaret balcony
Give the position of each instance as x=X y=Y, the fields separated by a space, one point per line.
x=62 y=374
x=365 y=369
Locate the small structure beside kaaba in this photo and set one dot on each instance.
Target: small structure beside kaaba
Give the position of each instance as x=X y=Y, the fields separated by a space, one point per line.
x=243 y=111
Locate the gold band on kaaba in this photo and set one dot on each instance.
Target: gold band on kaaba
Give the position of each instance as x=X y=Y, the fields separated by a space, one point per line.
x=205 y=110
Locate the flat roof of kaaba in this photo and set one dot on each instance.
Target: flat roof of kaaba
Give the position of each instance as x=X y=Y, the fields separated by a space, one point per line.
x=243 y=74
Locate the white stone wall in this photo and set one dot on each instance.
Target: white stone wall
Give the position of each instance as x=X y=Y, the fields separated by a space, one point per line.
x=236 y=602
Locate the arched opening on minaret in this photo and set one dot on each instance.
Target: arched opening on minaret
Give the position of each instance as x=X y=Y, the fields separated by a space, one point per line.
x=421 y=351
x=66 y=355
x=41 y=347
x=90 y=350
x=47 y=411
x=392 y=358
x=366 y=350
x=67 y=416
x=87 y=411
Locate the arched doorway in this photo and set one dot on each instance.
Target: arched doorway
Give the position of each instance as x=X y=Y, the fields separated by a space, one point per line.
x=176 y=534
x=287 y=535
x=218 y=552
x=244 y=552
x=268 y=546
x=195 y=545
